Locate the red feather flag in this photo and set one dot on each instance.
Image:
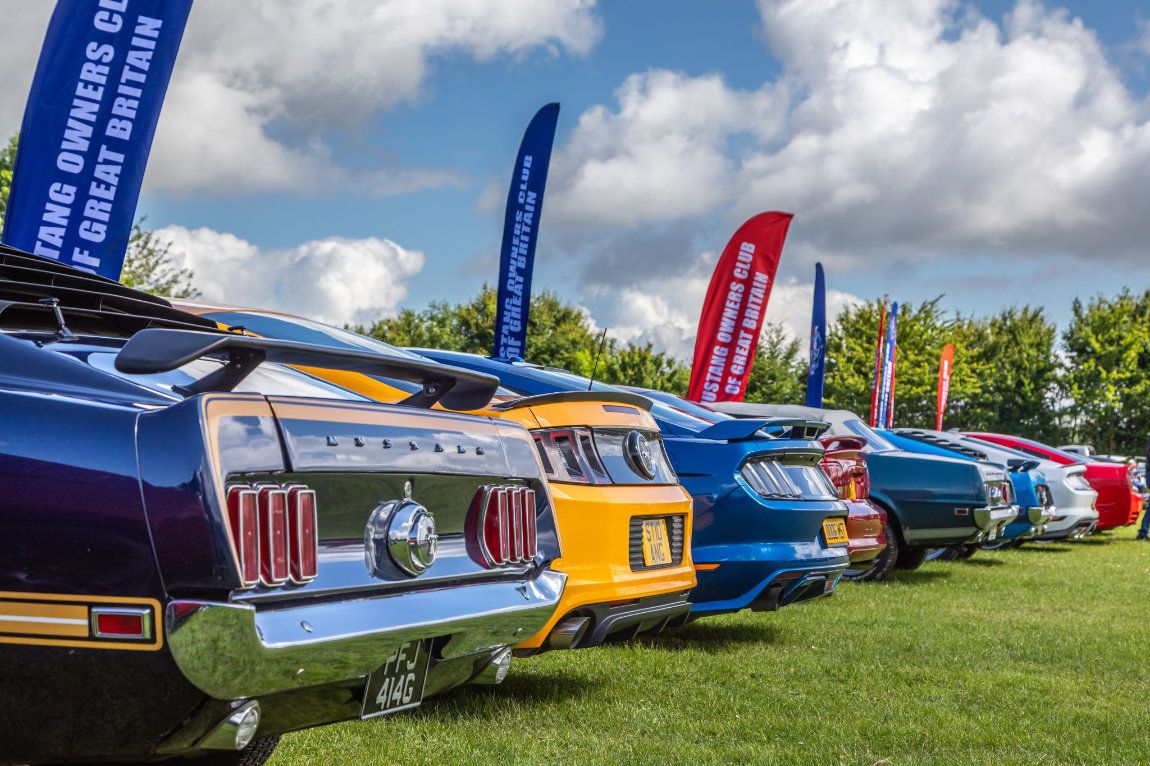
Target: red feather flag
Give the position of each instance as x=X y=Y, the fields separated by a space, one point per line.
x=733 y=311
x=944 y=364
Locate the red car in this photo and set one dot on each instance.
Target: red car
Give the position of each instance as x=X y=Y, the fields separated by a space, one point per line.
x=845 y=463
x=1118 y=503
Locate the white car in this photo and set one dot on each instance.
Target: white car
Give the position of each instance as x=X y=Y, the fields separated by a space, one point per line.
x=1076 y=515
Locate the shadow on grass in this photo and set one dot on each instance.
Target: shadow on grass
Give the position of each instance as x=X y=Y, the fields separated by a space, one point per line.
x=1046 y=548
x=531 y=691
x=925 y=576
x=981 y=562
x=714 y=637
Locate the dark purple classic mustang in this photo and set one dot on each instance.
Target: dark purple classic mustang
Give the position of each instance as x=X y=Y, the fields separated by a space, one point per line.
x=201 y=549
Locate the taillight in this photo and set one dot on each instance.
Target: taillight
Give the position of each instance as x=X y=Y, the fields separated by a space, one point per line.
x=245 y=533
x=275 y=533
x=569 y=454
x=303 y=544
x=505 y=524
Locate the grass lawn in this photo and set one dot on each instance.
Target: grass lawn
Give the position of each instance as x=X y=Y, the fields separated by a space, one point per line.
x=1033 y=656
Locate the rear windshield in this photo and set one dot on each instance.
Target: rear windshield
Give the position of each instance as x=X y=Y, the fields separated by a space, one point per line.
x=874 y=442
x=561 y=380
x=267 y=379
x=305 y=331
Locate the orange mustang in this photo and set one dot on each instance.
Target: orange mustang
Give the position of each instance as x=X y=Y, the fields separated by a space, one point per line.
x=624 y=520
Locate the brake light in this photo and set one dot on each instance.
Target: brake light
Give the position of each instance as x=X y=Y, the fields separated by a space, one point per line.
x=852 y=482
x=570 y=454
x=245 y=533
x=275 y=533
x=505 y=524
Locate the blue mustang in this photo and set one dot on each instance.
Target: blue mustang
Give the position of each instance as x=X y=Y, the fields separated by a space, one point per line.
x=769 y=528
x=1031 y=492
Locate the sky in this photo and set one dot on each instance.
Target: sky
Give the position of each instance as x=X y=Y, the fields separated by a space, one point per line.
x=346 y=160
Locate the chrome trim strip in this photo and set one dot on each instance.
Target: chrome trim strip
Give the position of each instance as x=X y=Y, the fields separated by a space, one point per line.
x=232 y=651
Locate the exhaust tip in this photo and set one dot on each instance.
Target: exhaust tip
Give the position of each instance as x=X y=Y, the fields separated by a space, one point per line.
x=495 y=670
x=569 y=632
x=237 y=730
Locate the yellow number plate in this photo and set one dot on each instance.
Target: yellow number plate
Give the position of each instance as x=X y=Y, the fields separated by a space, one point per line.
x=835 y=531
x=656 y=546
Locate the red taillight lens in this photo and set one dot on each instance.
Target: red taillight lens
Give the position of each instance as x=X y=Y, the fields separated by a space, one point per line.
x=242 y=519
x=506 y=525
x=303 y=545
x=122 y=623
x=861 y=477
x=273 y=535
x=496 y=535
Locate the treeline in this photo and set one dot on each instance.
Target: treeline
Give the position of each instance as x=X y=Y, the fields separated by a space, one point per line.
x=1013 y=372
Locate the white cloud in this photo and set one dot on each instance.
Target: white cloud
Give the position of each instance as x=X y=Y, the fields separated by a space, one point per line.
x=661 y=155
x=258 y=83
x=334 y=280
x=909 y=126
x=924 y=125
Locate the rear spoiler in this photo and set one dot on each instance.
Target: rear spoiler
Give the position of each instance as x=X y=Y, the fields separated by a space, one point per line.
x=835 y=443
x=160 y=350
x=1021 y=464
x=565 y=397
x=743 y=429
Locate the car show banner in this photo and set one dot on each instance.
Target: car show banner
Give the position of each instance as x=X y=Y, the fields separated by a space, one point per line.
x=893 y=378
x=733 y=310
x=877 y=384
x=88 y=126
x=817 y=367
x=521 y=232
x=887 y=376
x=945 y=363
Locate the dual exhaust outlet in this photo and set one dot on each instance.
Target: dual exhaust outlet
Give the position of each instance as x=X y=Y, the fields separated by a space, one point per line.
x=569 y=632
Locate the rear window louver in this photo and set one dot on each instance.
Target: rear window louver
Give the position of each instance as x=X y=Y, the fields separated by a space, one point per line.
x=90 y=304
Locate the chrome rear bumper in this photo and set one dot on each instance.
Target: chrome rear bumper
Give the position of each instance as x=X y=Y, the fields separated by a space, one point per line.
x=233 y=651
x=991 y=521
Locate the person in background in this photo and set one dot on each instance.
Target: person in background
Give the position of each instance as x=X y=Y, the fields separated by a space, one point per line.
x=1144 y=530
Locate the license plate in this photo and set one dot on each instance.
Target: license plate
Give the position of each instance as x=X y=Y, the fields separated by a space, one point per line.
x=835 y=530
x=398 y=683
x=656 y=546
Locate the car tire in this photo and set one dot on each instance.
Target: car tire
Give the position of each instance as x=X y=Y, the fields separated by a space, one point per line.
x=949 y=553
x=911 y=558
x=885 y=561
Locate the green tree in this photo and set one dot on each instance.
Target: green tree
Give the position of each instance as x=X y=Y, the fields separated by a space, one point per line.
x=1107 y=376
x=559 y=334
x=1017 y=388
x=923 y=331
x=779 y=374
x=7 y=164
x=149 y=266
